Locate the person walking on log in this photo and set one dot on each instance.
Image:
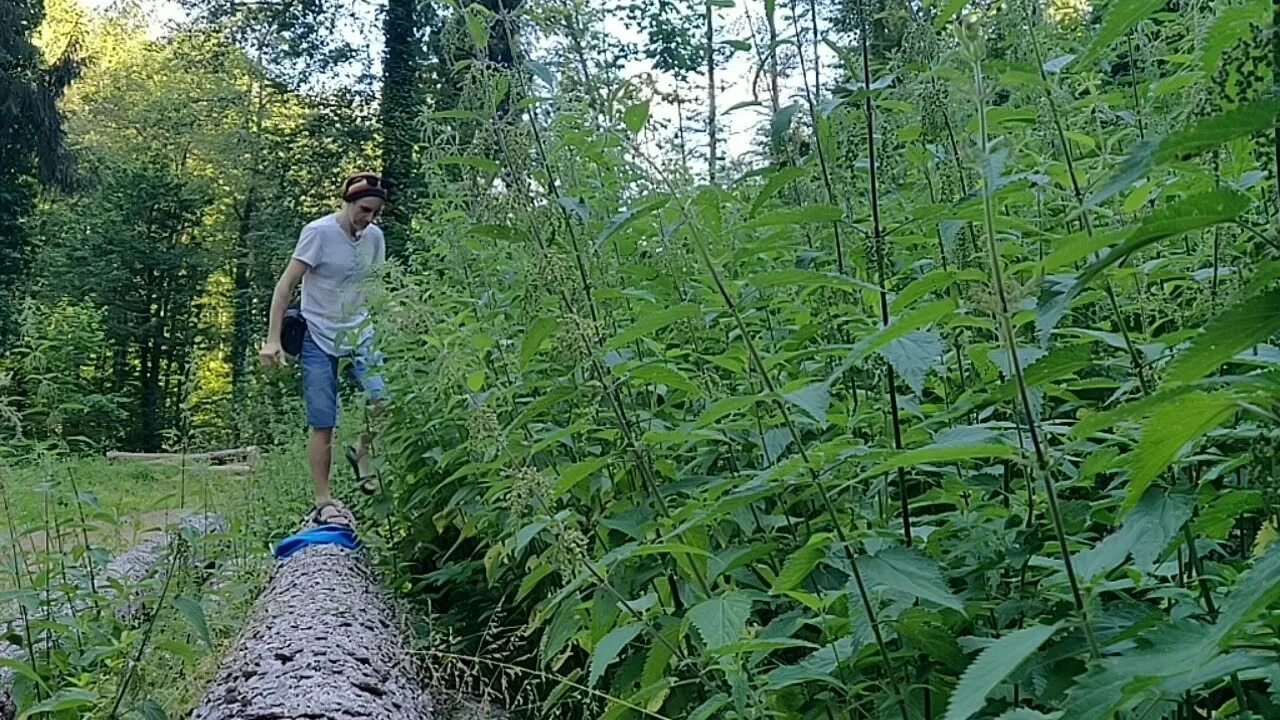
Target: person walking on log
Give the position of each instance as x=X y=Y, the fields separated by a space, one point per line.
x=334 y=257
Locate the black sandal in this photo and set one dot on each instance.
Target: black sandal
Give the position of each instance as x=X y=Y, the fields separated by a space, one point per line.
x=340 y=516
x=368 y=484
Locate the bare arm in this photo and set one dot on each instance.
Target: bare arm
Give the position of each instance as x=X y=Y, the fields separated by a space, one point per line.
x=285 y=286
x=272 y=353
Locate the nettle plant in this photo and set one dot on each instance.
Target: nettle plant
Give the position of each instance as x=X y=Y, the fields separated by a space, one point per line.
x=963 y=407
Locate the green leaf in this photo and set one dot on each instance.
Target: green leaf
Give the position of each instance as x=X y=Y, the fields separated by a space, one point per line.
x=539 y=331
x=799 y=565
x=23 y=669
x=630 y=215
x=193 y=612
x=781 y=122
x=710 y=707
x=483 y=164
x=1231 y=25
x=151 y=710
x=807 y=278
x=803 y=216
x=1216 y=520
x=777 y=181
x=1185 y=215
x=939 y=453
x=477 y=18
x=542 y=72
x=1168 y=431
x=1121 y=17
x=902 y=325
x=948 y=13
x=574 y=474
x=1146 y=532
x=913 y=356
x=1185 y=144
x=991 y=668
x=740 y=45
x=721 y=620
x=820 y=665
x=63 y=700
x=1252 y=321
x=906 y=570
x=607 y=650
x=652 y=322
x=814 y=399
x=636 y=116
x=475 y=381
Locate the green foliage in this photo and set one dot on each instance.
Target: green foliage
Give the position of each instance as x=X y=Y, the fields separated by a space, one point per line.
x=683 y=476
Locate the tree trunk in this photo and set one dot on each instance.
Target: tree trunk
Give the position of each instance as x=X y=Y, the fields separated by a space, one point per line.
x=399 y=109
x=713 y=153
x=322 y=643
x=242 y=307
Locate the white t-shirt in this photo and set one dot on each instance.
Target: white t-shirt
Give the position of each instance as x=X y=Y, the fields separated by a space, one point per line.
x=333 y=297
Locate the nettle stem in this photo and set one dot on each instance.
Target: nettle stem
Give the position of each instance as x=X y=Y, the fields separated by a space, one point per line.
x=828 y=505
x=1009 y=338
x=816 y=117
x=880 y=248
x=1077 y=190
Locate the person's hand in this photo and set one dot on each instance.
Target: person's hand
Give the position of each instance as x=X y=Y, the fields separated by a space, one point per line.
x=271 y=354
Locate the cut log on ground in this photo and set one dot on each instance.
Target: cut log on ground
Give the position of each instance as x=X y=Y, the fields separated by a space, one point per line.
x=129 y=569
x=323 y=644
x=245 y=454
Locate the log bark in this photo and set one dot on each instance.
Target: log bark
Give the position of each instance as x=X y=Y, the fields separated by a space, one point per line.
x=215 y=457
x=322 y=644
x=129 y=569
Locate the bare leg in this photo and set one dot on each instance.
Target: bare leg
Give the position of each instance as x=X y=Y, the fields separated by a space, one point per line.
x=320 y=454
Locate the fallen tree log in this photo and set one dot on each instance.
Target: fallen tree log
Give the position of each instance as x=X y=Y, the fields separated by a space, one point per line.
x=215 y=457
x=323 y=644
x=128 y=569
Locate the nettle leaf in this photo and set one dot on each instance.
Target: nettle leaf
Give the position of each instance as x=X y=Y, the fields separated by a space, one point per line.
x=807 y=278
x=948 y=13
x=907 y=570
x=947 y=452
x=803 y=216
x=1252 y=321
x=1194 y=139
x=722 y=619
x=193 y=612
x=913 y=356
x=820 y=665
x=898 y=327
x=651 y=322
x=62 y=701
x=1177 y=656
x=814 y=399
x=1121 y=17
x=996 y=662
x=799 y=565
x=1146 y=532
x=780 y=125
x=635 y=116
x=628 y=217
x=1185 y=215
x=1168 y=431
x=1231 y=25
x=608 y=649
x=777 y=181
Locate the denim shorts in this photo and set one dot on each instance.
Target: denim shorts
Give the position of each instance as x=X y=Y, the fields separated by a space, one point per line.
x=320 y=380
